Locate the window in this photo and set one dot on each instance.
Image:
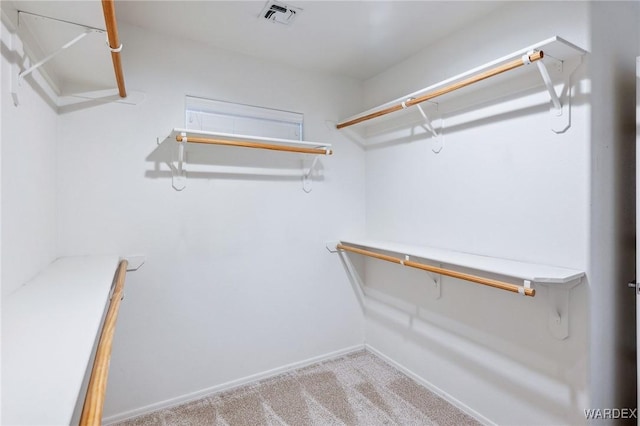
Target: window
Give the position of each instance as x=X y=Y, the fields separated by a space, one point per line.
x=227 y=117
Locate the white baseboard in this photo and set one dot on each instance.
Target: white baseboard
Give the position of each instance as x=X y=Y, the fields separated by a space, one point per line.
x=444 y=395
x=227 y=386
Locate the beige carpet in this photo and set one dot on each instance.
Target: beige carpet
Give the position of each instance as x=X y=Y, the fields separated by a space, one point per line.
x=356 y=389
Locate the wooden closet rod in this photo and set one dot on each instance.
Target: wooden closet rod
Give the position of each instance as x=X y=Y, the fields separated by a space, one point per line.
x=114 y=43
x=467 y=277
x=94 y=400
x=455 y=86
x=258 y=145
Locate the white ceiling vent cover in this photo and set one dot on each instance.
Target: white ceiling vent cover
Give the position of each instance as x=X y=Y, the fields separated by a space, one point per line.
x=279 y=12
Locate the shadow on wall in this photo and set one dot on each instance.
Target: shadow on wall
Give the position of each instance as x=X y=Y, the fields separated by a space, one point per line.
x=481 y=345
x=221 y=162
x=16 y=63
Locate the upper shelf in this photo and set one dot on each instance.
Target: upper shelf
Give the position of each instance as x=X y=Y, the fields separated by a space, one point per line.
x=87 y=67
x=554 y=48
x=536 y=273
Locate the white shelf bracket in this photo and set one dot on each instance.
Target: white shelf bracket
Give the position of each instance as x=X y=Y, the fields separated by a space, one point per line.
x=560 y=110
x=178 y=169
x=134 y=262
x=332 y=246
x=436 y=138
x=546 y=78
x=17 y=83
x=558 y=302
x=435 y=289
x=307 y=180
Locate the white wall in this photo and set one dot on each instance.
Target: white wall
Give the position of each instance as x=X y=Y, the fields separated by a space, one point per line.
x=504 y=185
x=237 y=279
x=28 y=174
x=612 y=264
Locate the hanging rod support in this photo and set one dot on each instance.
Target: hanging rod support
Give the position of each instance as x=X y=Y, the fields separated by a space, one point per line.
x=181 y=145
x=306 y=177
x=313 y=166
x=178 y=174
x=427 y=121
x=38 y=64
x=555 y=99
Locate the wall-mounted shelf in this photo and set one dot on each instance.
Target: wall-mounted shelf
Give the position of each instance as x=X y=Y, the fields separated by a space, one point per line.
x=49 y=329
x=557 y=279
x=184 y=136
x=563 y=56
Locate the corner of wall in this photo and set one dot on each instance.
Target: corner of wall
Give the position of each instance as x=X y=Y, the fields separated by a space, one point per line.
x=612 y=226
x=29 y=133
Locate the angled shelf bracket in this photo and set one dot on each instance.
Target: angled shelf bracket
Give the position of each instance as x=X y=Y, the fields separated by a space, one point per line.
x=134 y=262
x=560 y=109
x=435 y=287
x=546 y=78
x=178 y=164
x=558 y=303
x=17 y=82
x=112 y=43
x=436 y=137
x=307 y=176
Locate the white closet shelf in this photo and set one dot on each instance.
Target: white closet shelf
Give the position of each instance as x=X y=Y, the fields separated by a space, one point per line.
x=565 y=55
x=185 y=136
x=50 y=326
x=276 y=143
x=559 y=281
x=536 y=273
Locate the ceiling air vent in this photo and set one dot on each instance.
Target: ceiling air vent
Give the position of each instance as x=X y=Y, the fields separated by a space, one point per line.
x=279 y=12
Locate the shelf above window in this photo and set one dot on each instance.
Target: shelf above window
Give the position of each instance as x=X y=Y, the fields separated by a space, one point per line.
x=182 y=137
x=247 y=141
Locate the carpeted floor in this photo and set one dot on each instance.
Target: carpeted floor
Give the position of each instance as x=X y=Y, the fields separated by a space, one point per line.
x=357 y=389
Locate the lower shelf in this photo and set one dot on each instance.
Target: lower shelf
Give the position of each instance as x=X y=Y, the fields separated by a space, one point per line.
x=49 y=331
x=558 y=280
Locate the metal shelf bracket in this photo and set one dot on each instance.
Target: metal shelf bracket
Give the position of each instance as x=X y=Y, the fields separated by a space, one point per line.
x=560 y=109
x=178 y=163
x=17 y=82
x=436 y=137
x=558 y=301
x=307 y=180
